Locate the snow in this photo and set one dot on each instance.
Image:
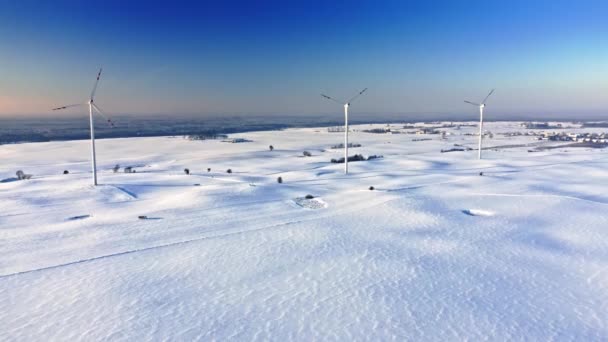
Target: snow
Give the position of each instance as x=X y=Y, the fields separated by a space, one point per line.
x=435 y=252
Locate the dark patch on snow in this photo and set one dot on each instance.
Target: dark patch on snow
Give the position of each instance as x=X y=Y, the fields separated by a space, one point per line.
x=477 y=212
x=144 y=217
x=79 y=217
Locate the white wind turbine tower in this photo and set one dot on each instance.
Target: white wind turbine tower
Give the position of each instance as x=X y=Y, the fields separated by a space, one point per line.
x=346 y=105
x=92 y=106
x=481 y=106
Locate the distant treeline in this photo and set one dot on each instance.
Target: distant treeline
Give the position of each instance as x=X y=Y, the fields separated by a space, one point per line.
x=350 y=145
x=43 y=130
x=8 y=138
x=595 y=125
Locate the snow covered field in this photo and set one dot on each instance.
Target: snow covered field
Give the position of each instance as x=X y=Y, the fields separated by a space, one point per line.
x=435 y=252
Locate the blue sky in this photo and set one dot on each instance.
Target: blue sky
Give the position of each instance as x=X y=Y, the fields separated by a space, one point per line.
x=544 y=57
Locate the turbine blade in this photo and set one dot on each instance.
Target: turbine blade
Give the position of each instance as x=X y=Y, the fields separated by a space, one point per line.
x=109 y=121
x=69 y=106
x=331 y=98
x=96 y=82
x=473 y=103
x=360 y=93
x=484 y=100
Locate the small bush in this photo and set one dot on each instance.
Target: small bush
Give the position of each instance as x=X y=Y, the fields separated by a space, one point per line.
x=229 y=171
x=481 y=173
x=356 y=157
x=350 y=145
x=271 y=147
x=65 y=172
x=371 y=188
x=187 y=171
x=280 y=180
x=309 y=196
x=208 y=169
x=307 y=154
x=116 y=168
x=21 y=175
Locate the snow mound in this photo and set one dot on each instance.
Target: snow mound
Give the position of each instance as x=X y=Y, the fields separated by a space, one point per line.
x=478 y=212
x=112 y=194
x=310 y=203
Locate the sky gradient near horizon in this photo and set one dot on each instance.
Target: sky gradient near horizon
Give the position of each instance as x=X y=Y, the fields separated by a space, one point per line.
x=265 y=57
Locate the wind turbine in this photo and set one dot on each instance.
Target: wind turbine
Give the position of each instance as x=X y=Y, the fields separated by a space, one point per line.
x=346 y=105
x=481 y=106
x=92 y=106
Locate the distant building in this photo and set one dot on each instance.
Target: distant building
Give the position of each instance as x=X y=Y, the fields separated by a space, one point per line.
x=426 y=130
x=535 y=125
x=236 y=140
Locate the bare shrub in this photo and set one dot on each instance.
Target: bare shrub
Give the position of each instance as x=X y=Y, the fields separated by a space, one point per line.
x=341 y=145
x=356 y=157
x=21 y=175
